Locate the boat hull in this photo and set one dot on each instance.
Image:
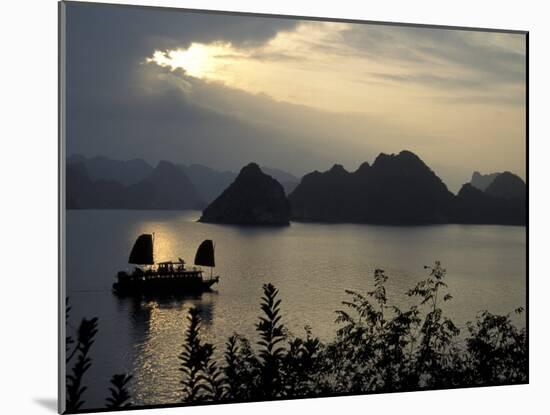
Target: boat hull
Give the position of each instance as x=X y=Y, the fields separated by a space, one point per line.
x=163 y=286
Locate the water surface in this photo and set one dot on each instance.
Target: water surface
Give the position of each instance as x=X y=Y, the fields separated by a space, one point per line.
x=311 y=265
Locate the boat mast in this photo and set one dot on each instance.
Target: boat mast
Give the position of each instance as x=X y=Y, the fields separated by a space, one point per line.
x=213 y=253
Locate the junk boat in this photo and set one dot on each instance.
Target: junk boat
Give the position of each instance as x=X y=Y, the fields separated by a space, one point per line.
x=168 y=277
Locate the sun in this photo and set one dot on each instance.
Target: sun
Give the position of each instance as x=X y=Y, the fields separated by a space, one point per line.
x=198 y=60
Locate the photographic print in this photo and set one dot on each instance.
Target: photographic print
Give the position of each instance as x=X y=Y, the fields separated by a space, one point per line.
x=260 y=207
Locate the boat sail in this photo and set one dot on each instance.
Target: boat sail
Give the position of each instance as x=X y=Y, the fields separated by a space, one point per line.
x=205 y=255
x=167 y=277
x=142 y=252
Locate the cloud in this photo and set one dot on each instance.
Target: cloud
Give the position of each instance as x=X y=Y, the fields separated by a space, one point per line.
x=466 y=58
x=430 y=80
x=181 y=118
x=106 y=42
x=435 y=61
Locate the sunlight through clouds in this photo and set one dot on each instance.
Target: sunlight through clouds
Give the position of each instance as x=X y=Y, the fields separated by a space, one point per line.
x=199 y=60
x=341 y=67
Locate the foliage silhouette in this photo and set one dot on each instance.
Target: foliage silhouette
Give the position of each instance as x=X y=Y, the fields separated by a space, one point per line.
x=192 y=360
x=497 y=350
x=242 y=369
x=202 y=377
x=120 y=397
x=86 y=333
x=215 y=386
x=378 y=347
x=375 y=338
x=437 y=332
x=68 y=339
x=271 y=353
x=302 y=364
x=85 y=339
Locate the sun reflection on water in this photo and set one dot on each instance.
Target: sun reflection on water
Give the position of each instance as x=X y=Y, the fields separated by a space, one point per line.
x=156 y=366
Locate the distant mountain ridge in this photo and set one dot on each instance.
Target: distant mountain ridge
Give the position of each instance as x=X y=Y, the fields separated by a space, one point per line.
x=482 y=181
x=208 y=182
x=166 y=187
x=126 y=172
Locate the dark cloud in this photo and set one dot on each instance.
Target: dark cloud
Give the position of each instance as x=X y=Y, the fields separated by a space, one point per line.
x=107 y=111
x=187 y=120
x=164 y=123
x=106 y=42
x=164 y=126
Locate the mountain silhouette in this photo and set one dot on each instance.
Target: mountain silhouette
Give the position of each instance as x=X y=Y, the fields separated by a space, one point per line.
x=165 y=187
x=287 y=180
x=209 y=183
x=103 y=168
x=254 y=198
x=84 y=193
x=397 y=189
x=507 y=185
x=476 y=207
x=481 y=181
x=77 y=185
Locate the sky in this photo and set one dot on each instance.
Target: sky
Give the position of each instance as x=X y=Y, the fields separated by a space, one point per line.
x=299 y=95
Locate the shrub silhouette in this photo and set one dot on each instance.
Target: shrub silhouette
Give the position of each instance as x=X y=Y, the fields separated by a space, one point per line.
x=241 y=370
x=437 y=331
x=193 y=359
x=302 y=364
x=215 y=386
x=202 y=378
x=373 y=348
x=271 y=353
x=86 y=333
x=120 y=397
x=497 y=350
x=68 y=339
x=378 y=347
